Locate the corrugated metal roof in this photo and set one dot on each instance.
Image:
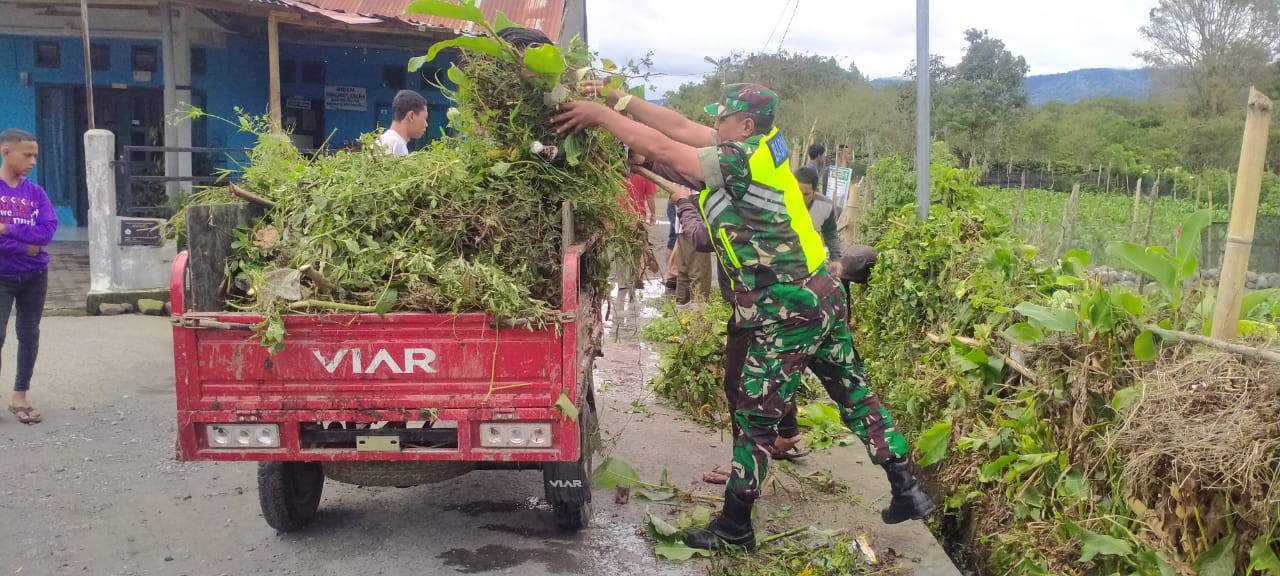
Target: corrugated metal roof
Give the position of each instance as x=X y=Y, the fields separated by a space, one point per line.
x=545 y=15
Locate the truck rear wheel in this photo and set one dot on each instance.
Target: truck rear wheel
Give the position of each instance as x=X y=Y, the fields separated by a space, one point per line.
x=574 y=513
x=289 y=493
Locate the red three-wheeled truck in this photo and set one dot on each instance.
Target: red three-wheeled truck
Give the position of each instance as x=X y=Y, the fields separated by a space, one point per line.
x=394 y=400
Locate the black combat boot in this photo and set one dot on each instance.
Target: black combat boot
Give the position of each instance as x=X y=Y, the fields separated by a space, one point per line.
x=731 y=528
x=909 y=501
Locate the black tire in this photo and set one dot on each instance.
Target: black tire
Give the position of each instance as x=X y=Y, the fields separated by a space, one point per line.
x=574 y=516
x=289 y=493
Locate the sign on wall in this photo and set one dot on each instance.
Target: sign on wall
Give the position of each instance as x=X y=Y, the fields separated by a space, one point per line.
x=345 y=98
x=838 y=181
x=141 y=232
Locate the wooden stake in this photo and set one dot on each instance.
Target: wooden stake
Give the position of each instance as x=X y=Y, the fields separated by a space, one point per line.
x=1151 y=210
x=1068 y=221
x=1017 y=206
x=1137 y=205
x=1244 y=214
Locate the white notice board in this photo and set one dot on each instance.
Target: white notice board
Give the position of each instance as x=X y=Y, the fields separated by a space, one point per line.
x=345 y=98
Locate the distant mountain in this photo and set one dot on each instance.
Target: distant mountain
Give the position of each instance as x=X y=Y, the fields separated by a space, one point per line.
x=1090 y=83
x=1073 y=86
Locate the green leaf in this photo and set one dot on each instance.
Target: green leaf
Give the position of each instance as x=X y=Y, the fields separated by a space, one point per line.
x=678 y=551
x=1262 y=557
x=544 y=59
x=1254 y=299
x=473 y=43
x=573 y=149
x=608 y=65
x=655 y=494
x=565 y=406
x=351 y=245
x=993 y=470
x=457 y=76
x=638 y=91
x=623 y=102
x=613 y=473
x=416 y=63
x=1218 y=560
x=500 y=169
x=501 y=22
x=1024 y=332
x=1144 y=347
x=1094 y=544
x=1151 y=262
x=1051 y=318
x=1073 y=486
x=386 y=301
x=932 y=445
x=1124 y=397
x=660 y=529
x=702 y=515
x=465 y=12
x=1189 y=235
x=1127 y=300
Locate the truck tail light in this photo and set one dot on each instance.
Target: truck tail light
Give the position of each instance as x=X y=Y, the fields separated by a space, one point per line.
x=242 y=436
x=515 y=434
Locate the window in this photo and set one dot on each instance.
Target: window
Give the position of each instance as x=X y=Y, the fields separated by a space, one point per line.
x=394 y=77
x=145 y=59
x=100 y=56
x=288 y=71
x=313 y=72
x=48 y=55
x=199 y=61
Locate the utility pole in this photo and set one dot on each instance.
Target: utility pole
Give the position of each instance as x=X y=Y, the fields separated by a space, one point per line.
x=923 y=97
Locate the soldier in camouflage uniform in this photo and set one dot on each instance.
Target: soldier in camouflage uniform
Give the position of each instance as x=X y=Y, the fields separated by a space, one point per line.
x=789 y=313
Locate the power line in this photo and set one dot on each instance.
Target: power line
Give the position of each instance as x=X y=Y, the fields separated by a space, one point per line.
x=775 y=25
x=785 y=32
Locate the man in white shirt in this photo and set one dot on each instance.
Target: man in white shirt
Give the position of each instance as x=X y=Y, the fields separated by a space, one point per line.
x=408 y=121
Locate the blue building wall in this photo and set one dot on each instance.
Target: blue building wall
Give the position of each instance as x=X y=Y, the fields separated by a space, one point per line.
x=236 y=75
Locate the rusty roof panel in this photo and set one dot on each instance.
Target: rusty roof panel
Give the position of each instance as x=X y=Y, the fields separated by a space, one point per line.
x=545 y=15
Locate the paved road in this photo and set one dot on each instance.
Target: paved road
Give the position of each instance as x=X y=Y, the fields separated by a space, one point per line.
x=95 y=489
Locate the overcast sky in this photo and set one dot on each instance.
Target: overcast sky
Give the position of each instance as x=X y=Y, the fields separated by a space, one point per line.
x=879 y=35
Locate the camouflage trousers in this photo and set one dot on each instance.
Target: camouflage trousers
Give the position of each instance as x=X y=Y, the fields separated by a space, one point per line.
x=775 y=334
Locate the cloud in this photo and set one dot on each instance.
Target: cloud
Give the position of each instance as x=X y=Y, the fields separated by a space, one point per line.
x=878 y=36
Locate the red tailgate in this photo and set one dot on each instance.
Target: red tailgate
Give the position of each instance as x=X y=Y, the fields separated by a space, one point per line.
x=397 y=361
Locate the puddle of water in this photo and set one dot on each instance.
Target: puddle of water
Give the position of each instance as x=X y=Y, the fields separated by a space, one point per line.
x=494 y=507
x=493 y=557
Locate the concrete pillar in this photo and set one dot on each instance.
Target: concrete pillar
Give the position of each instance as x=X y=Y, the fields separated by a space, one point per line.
x=574 y=23
x=100 y=176
x=118 y=273
x=176 y=55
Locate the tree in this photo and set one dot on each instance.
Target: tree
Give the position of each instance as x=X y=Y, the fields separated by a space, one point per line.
x=1215 y=48
x=985 y=92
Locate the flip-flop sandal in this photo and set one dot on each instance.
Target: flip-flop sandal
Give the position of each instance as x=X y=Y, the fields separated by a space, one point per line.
x=24 y=414
x=790 y=455
x=720 y=475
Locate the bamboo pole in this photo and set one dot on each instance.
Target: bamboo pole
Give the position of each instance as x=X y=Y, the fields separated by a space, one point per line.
x=1137 y=205
x=1244 y=214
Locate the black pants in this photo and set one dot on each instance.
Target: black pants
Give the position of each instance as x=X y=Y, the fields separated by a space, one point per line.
x=25 y=293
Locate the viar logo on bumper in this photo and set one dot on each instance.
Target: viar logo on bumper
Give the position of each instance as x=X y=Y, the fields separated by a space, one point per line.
x=414 y=360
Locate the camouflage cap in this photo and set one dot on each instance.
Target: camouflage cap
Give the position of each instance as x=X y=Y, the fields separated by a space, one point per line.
x=752 y=98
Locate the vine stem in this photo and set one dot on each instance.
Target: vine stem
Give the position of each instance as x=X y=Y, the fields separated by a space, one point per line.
x=303 y=304
x=781 y=535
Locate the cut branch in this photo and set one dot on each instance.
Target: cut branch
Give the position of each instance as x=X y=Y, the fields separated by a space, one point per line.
x=250 y=197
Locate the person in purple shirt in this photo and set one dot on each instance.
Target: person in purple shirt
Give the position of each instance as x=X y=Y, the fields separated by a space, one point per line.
x=27 y=224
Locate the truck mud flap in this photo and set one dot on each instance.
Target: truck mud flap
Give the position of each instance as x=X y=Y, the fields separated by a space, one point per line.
x=566 y=483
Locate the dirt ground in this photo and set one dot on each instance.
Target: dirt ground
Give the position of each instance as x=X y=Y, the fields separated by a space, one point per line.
x=95 y=488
